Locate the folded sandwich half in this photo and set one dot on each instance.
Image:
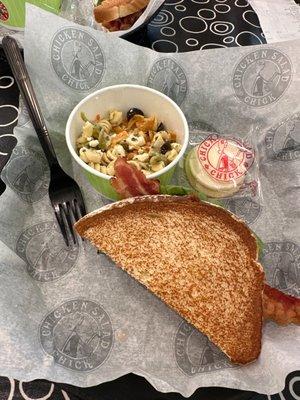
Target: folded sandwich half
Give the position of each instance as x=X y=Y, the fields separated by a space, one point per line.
x=198 y=258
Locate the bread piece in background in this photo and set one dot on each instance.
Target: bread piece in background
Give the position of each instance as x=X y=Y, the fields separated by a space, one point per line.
x=119 y=14
x=198 y=258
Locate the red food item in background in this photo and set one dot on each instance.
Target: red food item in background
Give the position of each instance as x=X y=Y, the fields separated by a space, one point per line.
x=280 y=307
x=130 y=182
x=4 y=15
x=123 y=23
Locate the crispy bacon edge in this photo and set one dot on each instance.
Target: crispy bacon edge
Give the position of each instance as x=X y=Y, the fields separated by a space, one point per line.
x=280 y=307
x=130 y=182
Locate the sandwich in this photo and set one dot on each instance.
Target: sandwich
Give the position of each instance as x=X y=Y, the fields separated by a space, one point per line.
x=119 y=14
x=196 y=257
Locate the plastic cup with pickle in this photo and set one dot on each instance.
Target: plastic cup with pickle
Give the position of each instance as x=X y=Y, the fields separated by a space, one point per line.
x=138 y=123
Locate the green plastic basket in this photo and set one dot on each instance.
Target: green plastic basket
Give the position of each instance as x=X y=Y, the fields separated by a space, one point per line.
x=12 y=12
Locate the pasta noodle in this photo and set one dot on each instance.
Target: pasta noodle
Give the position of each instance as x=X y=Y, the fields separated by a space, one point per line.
x=104 y=126
x=115 y=117
x=146 y=144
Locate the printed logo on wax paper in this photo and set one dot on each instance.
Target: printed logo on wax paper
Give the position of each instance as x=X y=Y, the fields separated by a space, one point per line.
x=27 y=174
x=282 y=141
x=45 y=252
x=262 y=77
x=244 y=207
x=77 y=58
x=281 y=262
x=168 y=77
x=225 y=159
x=195 y=354
x=4 y=14
x=78 y=335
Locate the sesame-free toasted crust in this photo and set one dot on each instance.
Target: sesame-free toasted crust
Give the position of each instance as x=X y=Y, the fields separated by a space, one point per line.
x=198 y=258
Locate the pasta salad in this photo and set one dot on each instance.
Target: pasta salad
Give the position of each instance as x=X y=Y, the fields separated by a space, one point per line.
x=143 y=141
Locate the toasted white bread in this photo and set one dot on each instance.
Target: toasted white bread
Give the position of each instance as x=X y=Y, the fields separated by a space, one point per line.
x=110 y=10
x=198 y=258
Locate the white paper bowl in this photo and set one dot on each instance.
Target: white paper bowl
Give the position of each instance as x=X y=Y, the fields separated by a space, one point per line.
x=122 y=98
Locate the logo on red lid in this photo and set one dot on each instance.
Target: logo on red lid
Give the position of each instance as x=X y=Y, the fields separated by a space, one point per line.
x=225 y=159
x=4 y=15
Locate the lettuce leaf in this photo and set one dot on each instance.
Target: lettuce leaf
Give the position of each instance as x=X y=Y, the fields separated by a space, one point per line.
x=183 y=191
x=260 y=245
x=175 y=190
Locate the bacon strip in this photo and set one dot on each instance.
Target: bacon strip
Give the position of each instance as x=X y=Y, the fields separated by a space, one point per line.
x=280 y=307
x=130 y=182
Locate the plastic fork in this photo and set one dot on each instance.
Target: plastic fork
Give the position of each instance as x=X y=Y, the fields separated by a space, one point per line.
x=64 y=193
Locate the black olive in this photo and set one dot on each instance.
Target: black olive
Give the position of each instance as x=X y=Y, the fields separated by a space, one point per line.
x=125 y=147
x=132 y=112
x=160 y=127
x=165 y=147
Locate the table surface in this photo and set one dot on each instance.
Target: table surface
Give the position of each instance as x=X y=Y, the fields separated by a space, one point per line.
x=131 y=386
x=185 y=25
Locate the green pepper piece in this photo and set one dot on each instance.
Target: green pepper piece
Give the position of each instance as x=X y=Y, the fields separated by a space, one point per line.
x=99 y=134
x=95 y=132
x=102 y=140
x=84 y=117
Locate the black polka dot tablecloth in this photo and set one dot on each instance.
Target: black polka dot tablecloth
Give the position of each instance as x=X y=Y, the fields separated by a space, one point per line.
x=8 y=113
x=187 y=25
x=131 y=387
